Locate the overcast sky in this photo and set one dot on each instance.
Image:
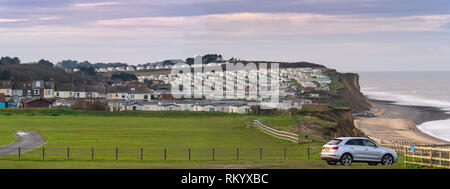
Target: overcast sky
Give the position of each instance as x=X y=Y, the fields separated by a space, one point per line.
x=349 y=35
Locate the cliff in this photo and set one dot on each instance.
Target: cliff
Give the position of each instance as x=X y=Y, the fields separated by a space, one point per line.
x=350 y=94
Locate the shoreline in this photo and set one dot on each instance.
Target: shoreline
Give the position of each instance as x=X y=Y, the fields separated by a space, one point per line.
x=398 y=123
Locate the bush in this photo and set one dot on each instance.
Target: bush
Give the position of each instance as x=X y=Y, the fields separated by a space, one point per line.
x=91 y=105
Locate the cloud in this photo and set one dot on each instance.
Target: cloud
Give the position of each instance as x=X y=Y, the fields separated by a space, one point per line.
x=49 y=18
x=282 y=23
x=8 y=20
x=96 y=4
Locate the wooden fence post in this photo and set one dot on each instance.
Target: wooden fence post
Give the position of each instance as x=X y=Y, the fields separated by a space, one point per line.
x=117 y=153
x=260 y=153
x=440 y=157
x=213 y=154
x=43 y=153
x=421 y=158
x=406 y=157
x=68 y=153
x=92 y=151
x=19 y=152
x=142 y=153
x=284 y=151
x=431 y=158
x=189 y=153
x=308 y=152
x=165 y=154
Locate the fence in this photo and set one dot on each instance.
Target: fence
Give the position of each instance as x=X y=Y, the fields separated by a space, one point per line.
x=425 y=155
x=46 y=153
x=276 y=133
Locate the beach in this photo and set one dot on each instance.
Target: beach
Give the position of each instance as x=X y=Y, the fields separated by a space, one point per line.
x=398 y=123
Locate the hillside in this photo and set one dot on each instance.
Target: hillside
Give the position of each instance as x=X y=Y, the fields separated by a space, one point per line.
x=28 y=72
x=349 y=94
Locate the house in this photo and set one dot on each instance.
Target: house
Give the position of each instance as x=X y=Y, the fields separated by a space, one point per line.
x=204 y=107
x=6 y=88
x=135 y=106
x=240 y=109
x=151 y=106
x=185 y=105
x=36 y=103
x=111 y=69
x=63 y=103
x=117 y=93
x=138 y=68
x=80 y=91
x=20 y=90
x=117 y=105
x=64 y=90
x=170 y=107
x=139 y=93
x=102 y=70
x=96 y=91
x=223 y=108
x=166 y=97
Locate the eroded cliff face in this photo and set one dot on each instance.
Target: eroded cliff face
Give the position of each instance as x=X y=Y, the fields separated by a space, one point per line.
x=350 y=93
x=345 y=126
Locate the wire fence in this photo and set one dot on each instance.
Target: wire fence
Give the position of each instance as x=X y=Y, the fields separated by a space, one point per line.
x=68 y=153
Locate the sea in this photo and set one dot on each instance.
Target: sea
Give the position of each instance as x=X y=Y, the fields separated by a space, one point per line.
x=431 y=89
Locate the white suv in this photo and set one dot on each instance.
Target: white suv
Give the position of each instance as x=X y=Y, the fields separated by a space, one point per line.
x=356 y=149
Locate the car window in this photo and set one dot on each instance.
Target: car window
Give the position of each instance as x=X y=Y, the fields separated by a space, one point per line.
x=356 y=142
x=334 y=142
x=369 y=143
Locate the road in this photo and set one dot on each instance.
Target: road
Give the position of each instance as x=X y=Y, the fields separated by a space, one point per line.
x=28 y=140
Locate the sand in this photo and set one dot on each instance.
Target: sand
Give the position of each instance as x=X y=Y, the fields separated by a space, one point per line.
x=398 y=123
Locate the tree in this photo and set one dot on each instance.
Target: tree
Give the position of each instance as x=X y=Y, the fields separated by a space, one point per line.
x=124 y=76
x=88 y=70
x=190 y=61
x=5 y=75
x=210 y=58
x=67 y=64
x=45 y=62
x=9 y=60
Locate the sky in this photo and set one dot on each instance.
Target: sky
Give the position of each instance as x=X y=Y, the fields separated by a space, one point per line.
x=348 y=35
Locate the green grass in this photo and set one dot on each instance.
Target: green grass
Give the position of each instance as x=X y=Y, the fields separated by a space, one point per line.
x=136 y=129
x=280 y=120
x=258 y=164
x=335 y=84
x=302 y=119
x=176 y=131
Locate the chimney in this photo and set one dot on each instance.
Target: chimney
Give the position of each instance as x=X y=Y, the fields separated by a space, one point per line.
x=52 y=83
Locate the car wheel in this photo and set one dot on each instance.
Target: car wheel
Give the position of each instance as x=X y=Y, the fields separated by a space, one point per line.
x=346 y=159
x=331 y=162
x=373 y=163
x=387 y=159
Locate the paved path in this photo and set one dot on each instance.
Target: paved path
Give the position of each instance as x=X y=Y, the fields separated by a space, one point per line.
x=28 y=140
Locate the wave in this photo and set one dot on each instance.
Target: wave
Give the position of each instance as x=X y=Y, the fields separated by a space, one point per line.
x=407 y=100
x=438 y=129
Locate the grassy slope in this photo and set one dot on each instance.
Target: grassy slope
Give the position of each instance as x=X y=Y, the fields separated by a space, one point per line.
x=136 y=131
x=63 y=128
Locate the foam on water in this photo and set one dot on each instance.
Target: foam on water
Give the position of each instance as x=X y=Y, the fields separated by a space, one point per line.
x=407 y=100
x=439 y=128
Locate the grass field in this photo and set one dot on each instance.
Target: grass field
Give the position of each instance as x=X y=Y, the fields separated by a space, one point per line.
x=154 y=131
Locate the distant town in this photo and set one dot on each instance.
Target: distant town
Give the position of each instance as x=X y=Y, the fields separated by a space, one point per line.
x=150 y=90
